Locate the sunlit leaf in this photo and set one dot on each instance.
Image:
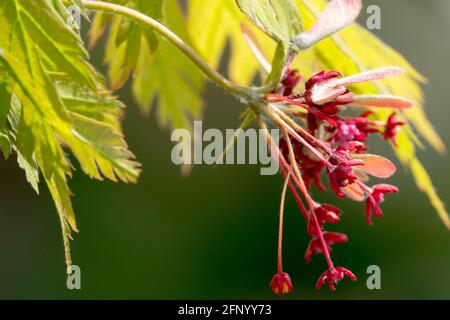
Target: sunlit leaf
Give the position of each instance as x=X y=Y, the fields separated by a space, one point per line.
x=210 y=38
x=46 y=111
x=278 y=18
x=169 y=78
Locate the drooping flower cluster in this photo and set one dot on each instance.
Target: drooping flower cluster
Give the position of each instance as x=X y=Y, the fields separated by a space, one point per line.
x=317 y=142
x=324 y=140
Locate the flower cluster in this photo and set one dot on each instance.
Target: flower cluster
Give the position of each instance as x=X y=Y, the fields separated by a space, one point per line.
x=324 y=142
x=331 y=145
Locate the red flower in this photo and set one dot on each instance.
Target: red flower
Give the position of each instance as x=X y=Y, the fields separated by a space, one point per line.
x=328 y=213
x=330 y=106
x=281 y=284
x=291 y=80
x=376 y=198
x=349 y=131
x=311 y=171
x=393 y=127
x=342 y=175
x=333 y=276
x=315 y=246
x=354 y=129
x=324 y=213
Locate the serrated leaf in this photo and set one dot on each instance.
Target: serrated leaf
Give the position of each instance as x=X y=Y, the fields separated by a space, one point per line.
x=5 y=106
x=127 y=39
x=169 y=77
x=41 y=23
x=210 y=37
x=277 y=18
x=425 y=184
x=35 y=46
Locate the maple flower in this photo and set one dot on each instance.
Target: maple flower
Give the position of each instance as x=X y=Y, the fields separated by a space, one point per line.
x=325 y=213
x=375 y=198
x=333 y=276
x=281 y=284
x=317 y=139
x=327 y=91
x=290 y=81
x=354 y=129
x=393 y=127
x=330 y=238
x=342 y=175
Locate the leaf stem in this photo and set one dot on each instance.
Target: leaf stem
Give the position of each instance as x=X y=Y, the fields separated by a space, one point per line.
x=146 y=21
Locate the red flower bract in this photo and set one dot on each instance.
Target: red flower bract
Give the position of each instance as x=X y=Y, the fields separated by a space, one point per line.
x=393 y=127
x=281 y=284
x=376 y=198
x=333 y=276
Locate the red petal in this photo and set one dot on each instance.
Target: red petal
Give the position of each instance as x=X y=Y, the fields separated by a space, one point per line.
x=385 y=188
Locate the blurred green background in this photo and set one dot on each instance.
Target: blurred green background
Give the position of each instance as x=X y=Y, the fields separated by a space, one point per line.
x=213 y=235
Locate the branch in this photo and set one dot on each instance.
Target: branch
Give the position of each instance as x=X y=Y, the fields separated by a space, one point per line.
x=213 y=75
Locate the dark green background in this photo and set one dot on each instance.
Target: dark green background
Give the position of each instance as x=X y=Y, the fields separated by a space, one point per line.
x=213 y=235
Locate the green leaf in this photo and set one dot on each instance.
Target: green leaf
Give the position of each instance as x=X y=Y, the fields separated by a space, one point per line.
x=210 y=37
x=126 y=39
x=40 y=22
x=5 y=106
x=425 y=184
x=57 y=99
x=278 y=18
x=169 y=77
x=160 y=72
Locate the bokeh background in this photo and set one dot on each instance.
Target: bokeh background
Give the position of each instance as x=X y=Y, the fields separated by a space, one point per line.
x=213 y=235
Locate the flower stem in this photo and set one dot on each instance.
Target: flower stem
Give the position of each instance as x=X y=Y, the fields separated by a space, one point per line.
x=282 y=124
x=311 y=204
x=146 y=21
x=280 y=230
x=284 y=167
x=304 y=132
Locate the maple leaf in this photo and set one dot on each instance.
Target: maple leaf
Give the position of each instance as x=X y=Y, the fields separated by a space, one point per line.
x=46 y=110
x=161 y=73
x=210 y=37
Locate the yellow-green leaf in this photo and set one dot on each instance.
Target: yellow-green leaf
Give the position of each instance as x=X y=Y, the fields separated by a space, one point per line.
x=277 y=18
x=210 y=37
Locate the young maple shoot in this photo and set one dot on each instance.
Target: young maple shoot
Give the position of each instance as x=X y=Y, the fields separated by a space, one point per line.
x=52 y=98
